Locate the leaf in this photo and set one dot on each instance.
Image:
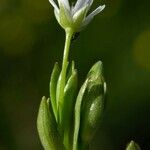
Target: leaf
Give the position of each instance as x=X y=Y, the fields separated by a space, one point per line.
x=53 y=85
x=60 y=91
x=70 y=70
x=92 y=103
x=69 y=100
x=133 y=146
x=77 y=115
x=47 y=127
x=67 y=110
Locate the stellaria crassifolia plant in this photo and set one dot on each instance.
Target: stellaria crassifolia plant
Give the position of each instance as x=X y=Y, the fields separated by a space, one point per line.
x=69 y=118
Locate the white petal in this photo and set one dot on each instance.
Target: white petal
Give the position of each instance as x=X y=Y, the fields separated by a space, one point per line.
x=90 y=16
x=57 y=15
x=96 y=11
x=81 y=3
x=65 y=3
x=54 y=5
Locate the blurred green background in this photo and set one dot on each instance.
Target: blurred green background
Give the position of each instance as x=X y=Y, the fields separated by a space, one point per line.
x=31 y=41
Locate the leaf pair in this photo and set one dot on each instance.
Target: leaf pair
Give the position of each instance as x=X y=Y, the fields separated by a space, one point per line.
x=89 y=107
x=72 y=125
x=64 y=111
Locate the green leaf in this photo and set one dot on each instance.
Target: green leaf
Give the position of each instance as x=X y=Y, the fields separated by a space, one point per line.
x=60 y=92
x=92 y=103
x=77 y=115
x=89 y=107
x=53 y=85
x=69 y=100
x=133 y=146
x=47 y=127
x=70 y=70
x=67 y=109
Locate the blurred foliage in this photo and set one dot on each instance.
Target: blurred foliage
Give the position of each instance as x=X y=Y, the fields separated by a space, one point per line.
x=31 y=41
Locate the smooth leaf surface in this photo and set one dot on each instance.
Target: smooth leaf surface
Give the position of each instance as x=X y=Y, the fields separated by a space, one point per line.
x=77 y=115
x=93 y=103
x=47 y=127
x=67 y=111
x=53 y=85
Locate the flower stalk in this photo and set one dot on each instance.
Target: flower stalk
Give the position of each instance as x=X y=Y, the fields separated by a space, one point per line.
x=62 y=77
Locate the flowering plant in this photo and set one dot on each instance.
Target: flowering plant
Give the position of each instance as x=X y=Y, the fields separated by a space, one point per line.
x=69 y=119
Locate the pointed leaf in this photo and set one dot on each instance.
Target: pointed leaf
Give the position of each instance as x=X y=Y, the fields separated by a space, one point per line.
x=70 y=70
x=53 y=85
x=47 y=127
x=77 y=115
x=67 y=111
x=93 y=103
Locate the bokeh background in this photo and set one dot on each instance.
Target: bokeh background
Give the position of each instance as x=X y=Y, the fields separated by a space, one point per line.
x=31 y=41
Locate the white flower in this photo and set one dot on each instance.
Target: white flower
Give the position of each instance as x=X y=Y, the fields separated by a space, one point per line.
x=74 y=17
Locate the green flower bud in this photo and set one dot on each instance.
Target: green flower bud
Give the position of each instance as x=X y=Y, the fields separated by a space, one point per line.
x=133 y=146
x=47 y=127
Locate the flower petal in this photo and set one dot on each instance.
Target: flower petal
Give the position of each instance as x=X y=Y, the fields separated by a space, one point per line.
x=90 y=16
x=81 y=3
x=96 y=11
x=57 y=15
x=54 y=5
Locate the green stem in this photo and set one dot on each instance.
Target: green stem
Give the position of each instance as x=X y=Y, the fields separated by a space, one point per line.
x=69 y=34
x=62 y=79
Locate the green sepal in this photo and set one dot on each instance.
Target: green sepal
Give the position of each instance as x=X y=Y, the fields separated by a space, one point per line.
x=65 y=16
x=53 y=85
x=92 y=103
x=47 y=127
x=133 y=146
x=77 y=115
x=79 y=17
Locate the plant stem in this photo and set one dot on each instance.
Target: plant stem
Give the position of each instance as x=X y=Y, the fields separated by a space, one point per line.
x=69 y=34
x=62 y=78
